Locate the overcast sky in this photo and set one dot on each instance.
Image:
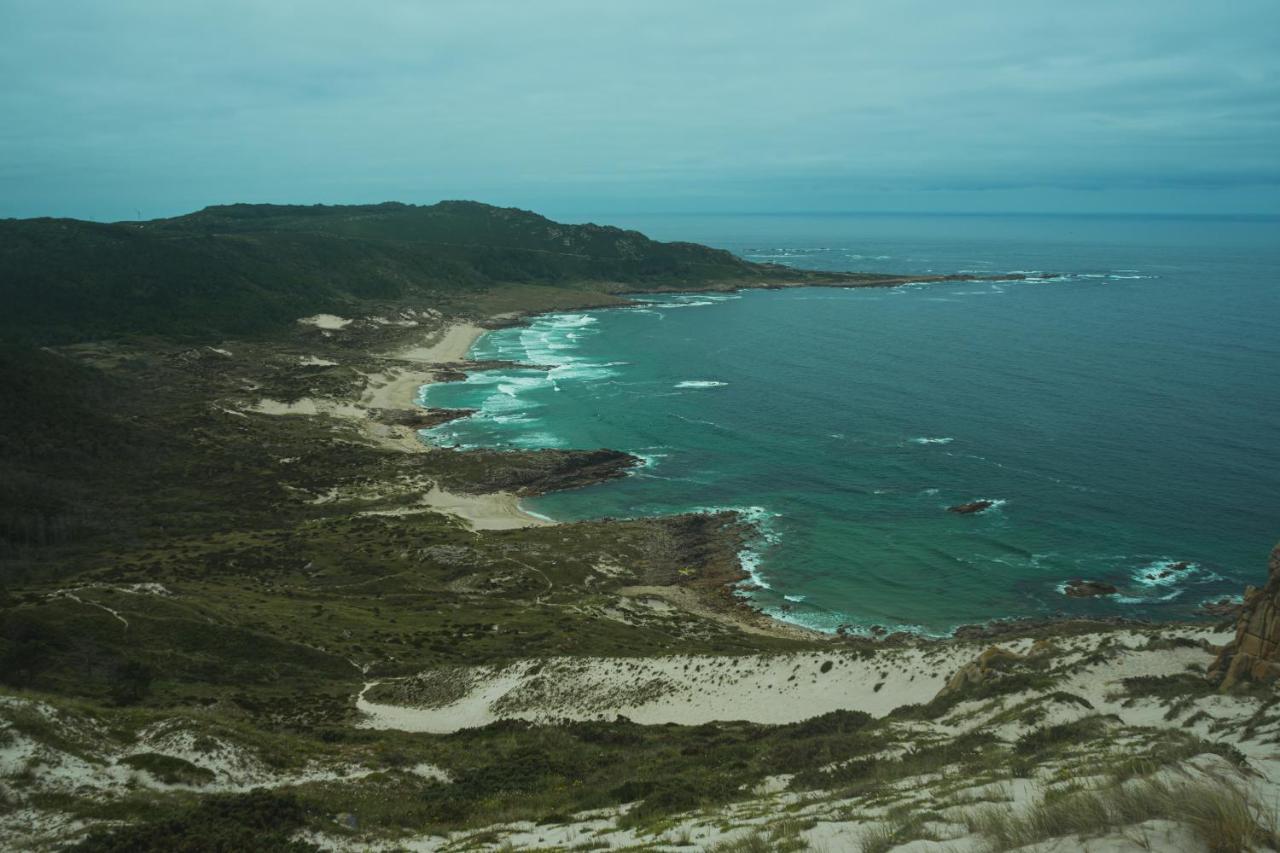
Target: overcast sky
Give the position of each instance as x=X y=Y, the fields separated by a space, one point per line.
x=583 y=108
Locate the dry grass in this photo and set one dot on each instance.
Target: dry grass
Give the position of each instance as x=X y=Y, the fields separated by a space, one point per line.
x=1221 y=812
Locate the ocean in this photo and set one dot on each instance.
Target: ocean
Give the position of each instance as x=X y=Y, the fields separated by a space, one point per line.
x=1123 y=418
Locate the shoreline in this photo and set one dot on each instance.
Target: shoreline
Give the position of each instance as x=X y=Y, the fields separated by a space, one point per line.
x=401 y=390
x=757 y=619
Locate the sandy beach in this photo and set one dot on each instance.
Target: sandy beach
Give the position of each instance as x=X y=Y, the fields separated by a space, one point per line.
x=397 y=388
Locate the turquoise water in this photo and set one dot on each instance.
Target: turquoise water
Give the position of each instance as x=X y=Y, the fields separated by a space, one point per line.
x=1124 y=417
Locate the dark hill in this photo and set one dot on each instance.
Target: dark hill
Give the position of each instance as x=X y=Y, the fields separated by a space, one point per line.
x=242 y=269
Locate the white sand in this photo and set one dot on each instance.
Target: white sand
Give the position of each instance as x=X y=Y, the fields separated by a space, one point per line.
x=691 y=690
x=495 y=511
x=450 y=345
x=397 y=388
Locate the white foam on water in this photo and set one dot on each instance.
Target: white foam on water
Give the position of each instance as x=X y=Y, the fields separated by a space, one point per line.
x=928 y=440
x=750 y=561
x=537 y=440
x=996 y=503
x=649 y=460
x=1133 y=599
x=761 y=519
x=1163 y=574
x=549 y=344
x=520 y=506
x=517 y=385
x=830 y=621
x=699 y=303
x=700 y=383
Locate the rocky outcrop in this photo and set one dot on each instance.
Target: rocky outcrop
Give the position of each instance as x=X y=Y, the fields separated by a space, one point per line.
x=993 y=664
x=986 y=667
x=422 y=418
x=1088 y=589
x=1254 y=654
x=529 y=472
x=972 y=507
x=1222 y=607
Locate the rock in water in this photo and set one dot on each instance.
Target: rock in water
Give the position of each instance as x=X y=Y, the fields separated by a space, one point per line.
x=975 y=506
x=1222 y=607
x=1254 y=654
x=1087 y=589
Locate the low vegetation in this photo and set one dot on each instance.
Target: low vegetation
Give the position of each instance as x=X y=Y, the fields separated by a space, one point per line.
x=193 y=593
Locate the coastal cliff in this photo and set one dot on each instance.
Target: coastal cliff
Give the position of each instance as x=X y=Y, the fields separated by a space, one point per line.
x=1254 y=653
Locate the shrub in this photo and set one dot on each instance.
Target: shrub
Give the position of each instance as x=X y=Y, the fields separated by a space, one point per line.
x=169 y=769
x=259 y=820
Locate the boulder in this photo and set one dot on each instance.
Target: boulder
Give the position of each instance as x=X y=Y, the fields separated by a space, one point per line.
x=974 y=506
x=984 y=668
x=1222 y=607
x=1254 y=653
x=1080 y=588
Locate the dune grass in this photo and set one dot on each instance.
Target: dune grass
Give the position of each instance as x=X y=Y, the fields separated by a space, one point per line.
x=1221 y=812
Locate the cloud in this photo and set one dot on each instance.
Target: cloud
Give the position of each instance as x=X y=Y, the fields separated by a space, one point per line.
x=175 y=105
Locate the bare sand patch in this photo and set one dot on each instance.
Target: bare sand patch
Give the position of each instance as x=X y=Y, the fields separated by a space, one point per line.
x=450 y=344
x=765 y=688
x=494 y=511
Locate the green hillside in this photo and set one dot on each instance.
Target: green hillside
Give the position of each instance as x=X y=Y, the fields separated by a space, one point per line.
x=244 y=269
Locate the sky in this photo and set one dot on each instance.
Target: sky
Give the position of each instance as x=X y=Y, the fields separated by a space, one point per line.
x=116 y=109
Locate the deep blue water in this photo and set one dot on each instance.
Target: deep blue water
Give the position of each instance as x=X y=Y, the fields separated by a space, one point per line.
x=1125 y=416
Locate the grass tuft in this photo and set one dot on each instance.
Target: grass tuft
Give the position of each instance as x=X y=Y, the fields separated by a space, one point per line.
x=1222 y=814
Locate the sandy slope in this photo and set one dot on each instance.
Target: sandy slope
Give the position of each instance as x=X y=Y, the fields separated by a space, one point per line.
x=691 y=690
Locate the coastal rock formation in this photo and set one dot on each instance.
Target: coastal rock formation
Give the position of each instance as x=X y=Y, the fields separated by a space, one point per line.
x=532 y=472
x=983 y=669
x=420 y=418
x=1080 y=588
x=972 y=507
x=1167 y=571
x=1222 y=607
x=1254 y=654
x=991 y=665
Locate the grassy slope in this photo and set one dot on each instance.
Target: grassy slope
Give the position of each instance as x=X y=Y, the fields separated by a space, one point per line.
x=273 y=609
x=248 y=269
x=279 y=594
